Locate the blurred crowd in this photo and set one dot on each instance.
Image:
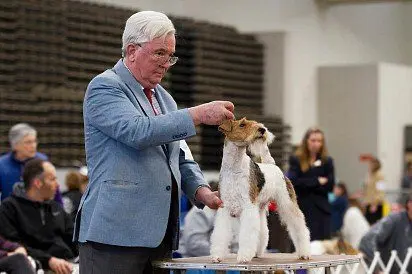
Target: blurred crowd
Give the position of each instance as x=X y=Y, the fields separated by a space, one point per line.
x=36 y=218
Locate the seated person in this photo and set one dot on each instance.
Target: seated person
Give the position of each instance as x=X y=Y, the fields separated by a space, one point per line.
x=338 y=207
x=390 y=233
x=76 y=183
x=355 y=224
x=35 y=220
x=195 y=240
x=13 y=258
x=23 y=142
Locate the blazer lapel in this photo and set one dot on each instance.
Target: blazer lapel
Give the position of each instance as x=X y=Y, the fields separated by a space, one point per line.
x=134 y=86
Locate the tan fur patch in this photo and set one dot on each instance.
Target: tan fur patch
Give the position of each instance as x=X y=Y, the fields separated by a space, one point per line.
x=339 y=246
x=253 y=192
x=240 y=130
x=346 y=248
x=291 y=190
x=256 y=181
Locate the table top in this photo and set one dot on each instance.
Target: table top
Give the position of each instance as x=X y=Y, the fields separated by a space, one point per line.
x=270 y=261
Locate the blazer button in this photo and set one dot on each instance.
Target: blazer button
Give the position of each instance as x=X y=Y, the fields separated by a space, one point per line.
x=168 y=188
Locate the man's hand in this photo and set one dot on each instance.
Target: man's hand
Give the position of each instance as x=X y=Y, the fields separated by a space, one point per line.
x=209 y=198
x=20 y=249
x=60 y=266
x=213 y=113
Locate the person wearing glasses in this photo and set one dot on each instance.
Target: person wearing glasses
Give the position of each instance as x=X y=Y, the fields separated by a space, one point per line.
x=138 y=162
x=23 y=142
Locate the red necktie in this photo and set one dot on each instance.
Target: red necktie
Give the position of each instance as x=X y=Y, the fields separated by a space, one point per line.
x=149 y=94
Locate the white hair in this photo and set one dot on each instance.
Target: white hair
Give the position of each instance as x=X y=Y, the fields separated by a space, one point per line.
x=144 y=26
x=18 y=132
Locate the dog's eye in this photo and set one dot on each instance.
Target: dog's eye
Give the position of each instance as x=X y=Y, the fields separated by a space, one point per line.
x=242 y=125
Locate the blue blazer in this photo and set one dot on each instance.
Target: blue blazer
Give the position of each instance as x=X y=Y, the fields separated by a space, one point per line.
x=127 y=200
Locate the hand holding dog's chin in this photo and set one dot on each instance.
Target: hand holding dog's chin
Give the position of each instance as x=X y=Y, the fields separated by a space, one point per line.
x=209 y=198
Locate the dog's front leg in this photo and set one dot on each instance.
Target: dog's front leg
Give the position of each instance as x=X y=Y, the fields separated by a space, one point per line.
x=221 y=235
x=249 y=233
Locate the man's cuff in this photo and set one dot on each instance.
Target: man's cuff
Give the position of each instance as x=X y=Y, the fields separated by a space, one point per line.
x=198 y=189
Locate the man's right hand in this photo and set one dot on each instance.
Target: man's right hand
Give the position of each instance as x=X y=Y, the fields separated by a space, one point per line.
x=213 y=113
x=60 y=266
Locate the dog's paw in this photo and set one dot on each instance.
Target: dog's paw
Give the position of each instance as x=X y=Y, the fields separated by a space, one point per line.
x=260 y=254
x=244 y=258
x=304 y=257
x=216 y=259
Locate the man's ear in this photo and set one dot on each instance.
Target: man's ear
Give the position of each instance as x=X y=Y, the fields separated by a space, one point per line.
x=226 y=126
x=36 y=183
x=130 y=50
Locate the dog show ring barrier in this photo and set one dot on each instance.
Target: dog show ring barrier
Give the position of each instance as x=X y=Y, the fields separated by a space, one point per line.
x=269 y=263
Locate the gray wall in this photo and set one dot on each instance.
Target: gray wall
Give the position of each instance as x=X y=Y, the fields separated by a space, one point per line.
x=348 y=100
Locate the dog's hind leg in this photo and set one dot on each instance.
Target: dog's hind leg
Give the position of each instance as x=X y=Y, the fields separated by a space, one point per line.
x=293 y=218
x=249 y=233
x=221 y=235
x=264 y=233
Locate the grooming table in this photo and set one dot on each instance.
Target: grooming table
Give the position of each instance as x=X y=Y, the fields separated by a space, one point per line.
x=268 y=264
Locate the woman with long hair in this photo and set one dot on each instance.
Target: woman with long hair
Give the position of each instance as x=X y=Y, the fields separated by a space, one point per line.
x=312 y=174
x=374 y=195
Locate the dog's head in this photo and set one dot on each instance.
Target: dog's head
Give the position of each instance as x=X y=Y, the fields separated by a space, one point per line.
x=243 y=132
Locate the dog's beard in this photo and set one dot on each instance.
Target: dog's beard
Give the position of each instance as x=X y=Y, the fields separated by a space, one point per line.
x=259 y=146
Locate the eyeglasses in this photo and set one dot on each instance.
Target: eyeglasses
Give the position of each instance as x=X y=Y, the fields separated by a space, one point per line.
x=30 y=142
x=162 y=57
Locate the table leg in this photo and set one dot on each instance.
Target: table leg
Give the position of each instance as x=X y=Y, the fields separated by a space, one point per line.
x=328 y=270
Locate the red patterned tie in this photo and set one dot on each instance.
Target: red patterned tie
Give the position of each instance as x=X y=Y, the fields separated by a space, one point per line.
x=149 y=94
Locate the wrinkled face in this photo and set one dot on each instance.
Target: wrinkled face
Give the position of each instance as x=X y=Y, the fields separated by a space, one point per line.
x=27 y=147
x=243 y=132
x=49 y=184
x=151 y=60
x=315 y=142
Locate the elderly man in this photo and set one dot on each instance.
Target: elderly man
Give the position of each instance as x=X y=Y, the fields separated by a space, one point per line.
x=23 y=142
x=137 y=158
x=40 y=224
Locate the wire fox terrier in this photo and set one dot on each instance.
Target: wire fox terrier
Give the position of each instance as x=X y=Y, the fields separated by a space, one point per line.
x=246 y=187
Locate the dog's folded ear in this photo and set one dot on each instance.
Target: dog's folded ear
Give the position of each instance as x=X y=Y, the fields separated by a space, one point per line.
x=226 y=126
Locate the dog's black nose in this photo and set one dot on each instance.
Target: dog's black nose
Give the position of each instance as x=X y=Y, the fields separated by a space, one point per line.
x=262 y=130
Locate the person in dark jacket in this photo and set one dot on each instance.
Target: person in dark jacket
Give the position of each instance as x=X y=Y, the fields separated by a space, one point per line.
x=76 y=183
x=339 y=206
x=312 y=174
x=393 y=232
x=13 y=258
x=23 y=142
x=39 y=223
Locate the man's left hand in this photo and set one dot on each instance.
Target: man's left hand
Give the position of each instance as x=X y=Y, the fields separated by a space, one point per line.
x=209 y=198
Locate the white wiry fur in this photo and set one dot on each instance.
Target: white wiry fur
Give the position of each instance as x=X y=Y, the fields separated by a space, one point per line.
x=234 y=191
